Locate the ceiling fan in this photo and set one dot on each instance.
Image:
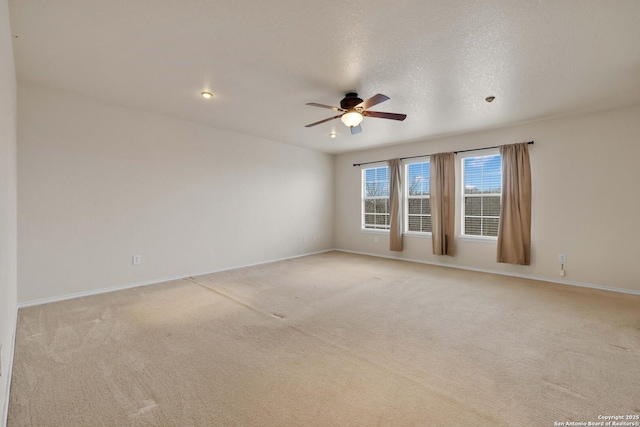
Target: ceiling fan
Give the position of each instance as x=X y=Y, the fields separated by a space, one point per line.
x=354 y=110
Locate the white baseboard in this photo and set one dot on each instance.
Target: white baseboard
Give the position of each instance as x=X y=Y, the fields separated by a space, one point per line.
x=12 y=346
x=154 y=281
x=461 y=267
x=502 y=273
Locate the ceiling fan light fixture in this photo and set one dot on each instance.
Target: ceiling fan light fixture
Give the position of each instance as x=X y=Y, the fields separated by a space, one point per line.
x=351 y=118
x=354 y=109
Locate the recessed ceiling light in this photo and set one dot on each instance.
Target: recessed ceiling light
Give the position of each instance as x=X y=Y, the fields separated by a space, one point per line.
x=207 y=95
x=332 y=135
x=490 y=98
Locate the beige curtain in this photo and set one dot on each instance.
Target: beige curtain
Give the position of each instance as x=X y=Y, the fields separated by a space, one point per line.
x=442 y=196
x=395 y=203
x=514 y=234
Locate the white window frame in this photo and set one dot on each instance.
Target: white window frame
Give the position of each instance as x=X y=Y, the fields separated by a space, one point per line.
x=463 y=157
x=363 y=199
x=425 y=159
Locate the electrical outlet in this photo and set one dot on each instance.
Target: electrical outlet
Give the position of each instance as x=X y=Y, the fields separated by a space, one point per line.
x=137 y=259
x=304 y=239
x=562 y=258
x=376 y=239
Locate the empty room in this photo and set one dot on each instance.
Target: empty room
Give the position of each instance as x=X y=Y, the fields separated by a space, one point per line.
x=296 y=213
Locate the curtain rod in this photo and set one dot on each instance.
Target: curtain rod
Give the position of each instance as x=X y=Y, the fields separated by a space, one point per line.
x=425 y=155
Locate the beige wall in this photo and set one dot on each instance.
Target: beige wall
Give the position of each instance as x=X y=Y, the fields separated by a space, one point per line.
x=585 y=199
x=8 y=227
x=99 y=183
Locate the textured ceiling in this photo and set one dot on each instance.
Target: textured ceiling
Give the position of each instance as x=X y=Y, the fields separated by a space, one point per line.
x=436 y=60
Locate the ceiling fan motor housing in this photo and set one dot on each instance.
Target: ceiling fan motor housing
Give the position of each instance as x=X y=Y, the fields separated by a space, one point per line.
x=350 y=101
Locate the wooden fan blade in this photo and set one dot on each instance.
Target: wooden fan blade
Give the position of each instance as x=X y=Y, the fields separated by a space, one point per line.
x=355 y=129
x=314 y=104
x=323 y=121
x=381 y=115
x=374 y=100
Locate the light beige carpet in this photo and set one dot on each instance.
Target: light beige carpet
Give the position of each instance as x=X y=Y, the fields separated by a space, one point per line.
x=330 y=340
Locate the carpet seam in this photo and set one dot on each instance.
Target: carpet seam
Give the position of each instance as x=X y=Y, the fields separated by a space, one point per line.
x=347 y=350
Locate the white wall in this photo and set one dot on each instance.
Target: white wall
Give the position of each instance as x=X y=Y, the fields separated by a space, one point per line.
x=585 y=199
x=99 y=183
x=8 y=225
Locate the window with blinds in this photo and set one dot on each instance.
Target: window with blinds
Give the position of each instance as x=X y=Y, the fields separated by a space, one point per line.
x=375 y=198
x=417 y=201
x=482 y=177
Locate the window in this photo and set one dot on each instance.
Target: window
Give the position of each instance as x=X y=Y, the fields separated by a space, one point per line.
x=418 y=204
x=375 y=198
x=482 y=180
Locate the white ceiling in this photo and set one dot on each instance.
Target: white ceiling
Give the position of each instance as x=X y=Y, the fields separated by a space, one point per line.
x=436 y=59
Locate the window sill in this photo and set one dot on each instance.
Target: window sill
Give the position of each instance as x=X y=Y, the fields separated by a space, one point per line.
x=480 y=239
x=374 y=231
x=416 y=234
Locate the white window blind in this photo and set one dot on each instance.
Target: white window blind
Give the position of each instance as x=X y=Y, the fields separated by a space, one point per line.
x=418 y=203
x=375 y=198
x=482 y=177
